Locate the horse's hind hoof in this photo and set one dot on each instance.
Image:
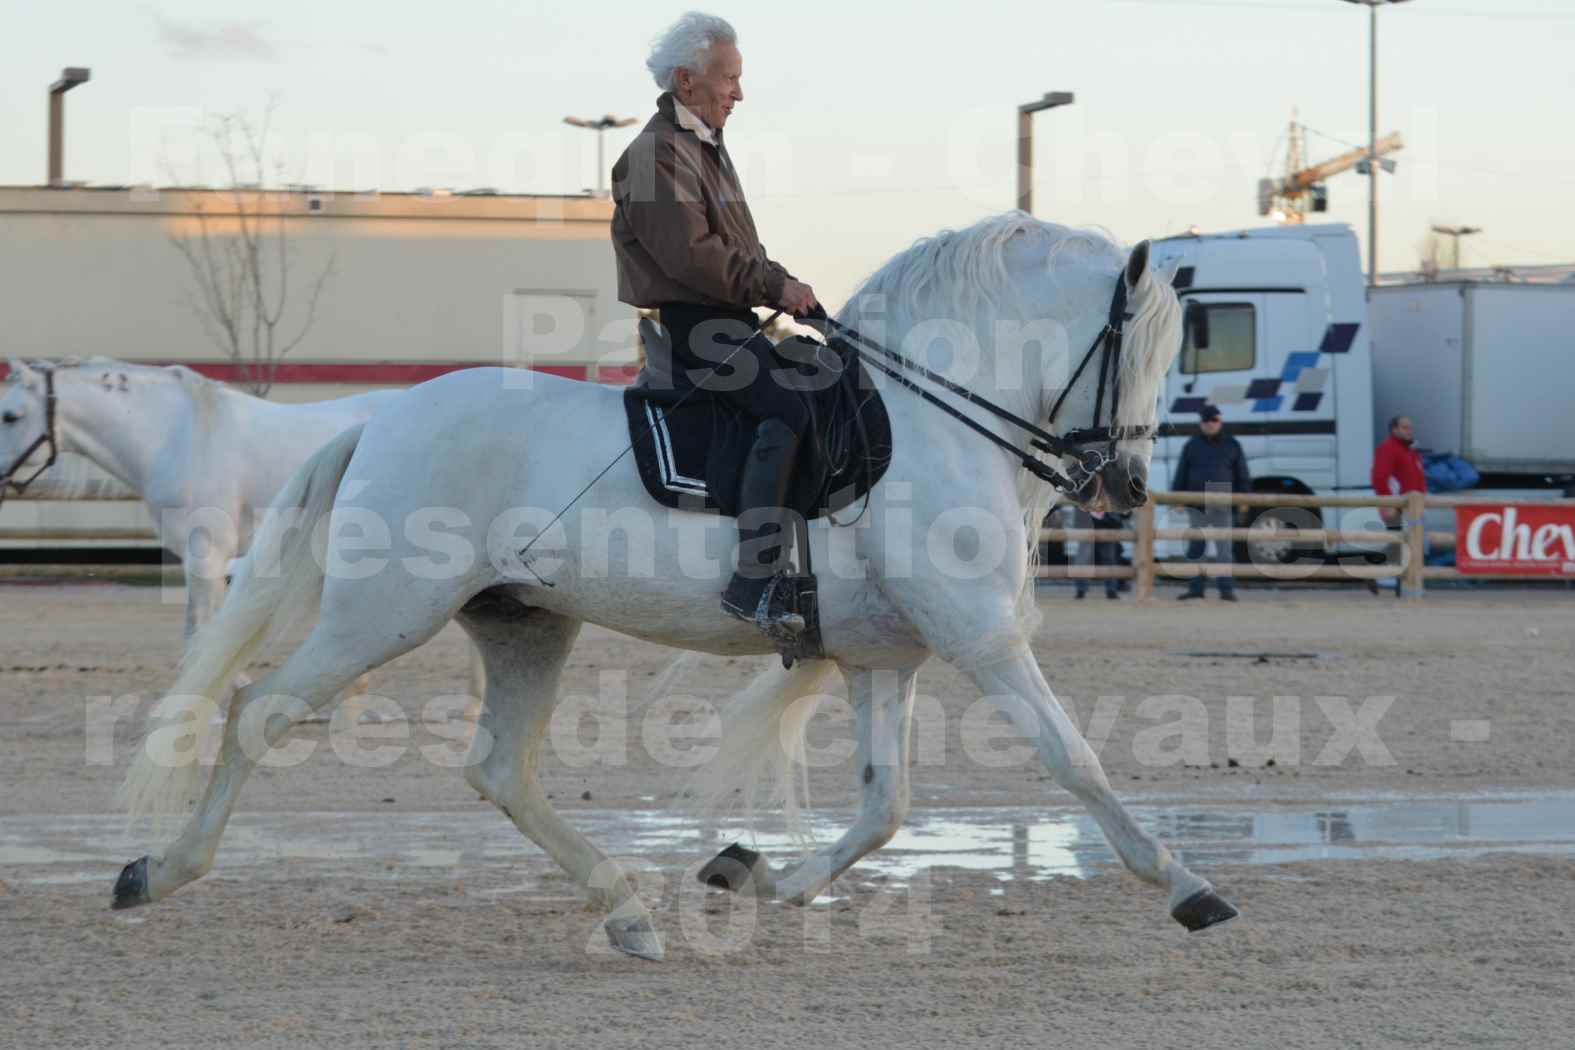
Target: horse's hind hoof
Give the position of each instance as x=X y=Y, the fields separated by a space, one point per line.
x=131 y=889
x=732 y=869
x=1203 y=909
x=636 y=937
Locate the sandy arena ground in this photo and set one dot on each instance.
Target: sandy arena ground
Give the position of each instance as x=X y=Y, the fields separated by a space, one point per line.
x=391 y=949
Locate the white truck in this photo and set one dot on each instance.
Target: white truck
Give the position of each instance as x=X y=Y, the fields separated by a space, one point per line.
x=1484 y=370
x=1287 y=360
x=1307 y=371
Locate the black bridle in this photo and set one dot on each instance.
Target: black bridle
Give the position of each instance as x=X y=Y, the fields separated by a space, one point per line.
x=1073 y=444
x=8 y=480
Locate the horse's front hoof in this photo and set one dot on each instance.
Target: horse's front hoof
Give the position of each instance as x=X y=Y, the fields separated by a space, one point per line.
x=732 y=869
x=131 y=889
x=1203 y=909
x=636 y=937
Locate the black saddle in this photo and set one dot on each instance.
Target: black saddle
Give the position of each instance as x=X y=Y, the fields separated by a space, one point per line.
x=690 y=445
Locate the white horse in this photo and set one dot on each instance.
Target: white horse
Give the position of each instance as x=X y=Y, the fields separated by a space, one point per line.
x=939 y=564
x=205 y=459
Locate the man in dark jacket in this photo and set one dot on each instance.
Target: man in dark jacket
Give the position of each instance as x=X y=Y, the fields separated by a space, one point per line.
x=685 y=243
x=1211 y=461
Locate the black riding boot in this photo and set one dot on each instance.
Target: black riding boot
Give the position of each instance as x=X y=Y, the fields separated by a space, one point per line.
x=762 y=491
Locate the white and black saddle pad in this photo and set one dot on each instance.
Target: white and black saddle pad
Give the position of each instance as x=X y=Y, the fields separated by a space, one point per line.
x=690 y=451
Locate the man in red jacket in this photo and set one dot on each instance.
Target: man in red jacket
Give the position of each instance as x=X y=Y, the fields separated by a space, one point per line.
x=1397 y=466
x=1397 y=469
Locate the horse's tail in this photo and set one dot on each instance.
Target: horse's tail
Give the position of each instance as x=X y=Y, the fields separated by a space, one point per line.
x=280 y=582
x=762 y=745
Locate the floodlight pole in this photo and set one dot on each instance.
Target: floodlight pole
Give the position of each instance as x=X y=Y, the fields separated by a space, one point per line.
x=1455 y=233
x=1025 y=143
x=1372 y=135
x=1372 y=147
x=600 y=126
x=70 y=77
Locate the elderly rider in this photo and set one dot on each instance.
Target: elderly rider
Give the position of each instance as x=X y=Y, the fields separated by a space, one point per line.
x=686 y=245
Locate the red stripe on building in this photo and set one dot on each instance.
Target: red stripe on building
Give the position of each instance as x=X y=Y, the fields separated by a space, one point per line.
x=377 y=373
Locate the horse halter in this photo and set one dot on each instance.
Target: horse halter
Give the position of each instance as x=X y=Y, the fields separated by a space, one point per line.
x=1073 y=444
x=8 y=480
x=1108 y=342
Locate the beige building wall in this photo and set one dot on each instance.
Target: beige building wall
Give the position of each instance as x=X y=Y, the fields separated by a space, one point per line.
x=414 y=279
x=419 y=284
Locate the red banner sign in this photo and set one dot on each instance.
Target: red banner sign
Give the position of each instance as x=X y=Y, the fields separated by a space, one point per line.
x=1521 y=539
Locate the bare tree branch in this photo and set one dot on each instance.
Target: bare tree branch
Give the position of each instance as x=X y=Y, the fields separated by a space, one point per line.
x=242 y=275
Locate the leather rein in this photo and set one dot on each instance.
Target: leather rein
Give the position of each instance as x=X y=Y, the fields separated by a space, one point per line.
x=1073 y=444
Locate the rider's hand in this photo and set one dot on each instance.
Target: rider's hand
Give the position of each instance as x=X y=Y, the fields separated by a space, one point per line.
x=798 y=298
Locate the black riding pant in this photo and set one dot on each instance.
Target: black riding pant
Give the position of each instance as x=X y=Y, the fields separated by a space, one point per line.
x=752 y=378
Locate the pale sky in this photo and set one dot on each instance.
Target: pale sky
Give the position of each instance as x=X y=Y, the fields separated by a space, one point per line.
x=864 y=125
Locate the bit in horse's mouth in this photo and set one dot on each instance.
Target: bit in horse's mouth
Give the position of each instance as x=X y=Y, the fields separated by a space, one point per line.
x=1099 y=502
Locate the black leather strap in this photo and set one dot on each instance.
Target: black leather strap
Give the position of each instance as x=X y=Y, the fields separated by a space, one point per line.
x=8 y=480
x=1108 y=343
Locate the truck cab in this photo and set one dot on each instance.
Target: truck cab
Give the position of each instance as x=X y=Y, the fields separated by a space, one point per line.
x=1287 y=358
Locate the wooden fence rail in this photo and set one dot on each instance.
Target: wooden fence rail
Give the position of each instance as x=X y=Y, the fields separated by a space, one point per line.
x=1411 y=538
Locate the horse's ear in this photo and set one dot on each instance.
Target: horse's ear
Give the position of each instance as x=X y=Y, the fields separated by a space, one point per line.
x=1137 y=264
x=19 y=369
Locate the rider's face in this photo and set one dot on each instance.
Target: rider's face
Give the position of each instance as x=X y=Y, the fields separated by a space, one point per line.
x=711 y=95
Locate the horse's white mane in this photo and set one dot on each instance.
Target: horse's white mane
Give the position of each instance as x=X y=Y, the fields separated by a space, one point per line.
x=963 y=275
x=1153 y=338
x=954 y=273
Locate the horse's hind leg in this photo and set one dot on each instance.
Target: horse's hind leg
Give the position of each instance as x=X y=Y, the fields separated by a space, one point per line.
x=882 y=701
x=308 y=680
x=1016 y=685
x=523 y=651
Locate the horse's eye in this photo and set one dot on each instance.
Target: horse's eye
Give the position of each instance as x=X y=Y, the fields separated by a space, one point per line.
x=10 y=417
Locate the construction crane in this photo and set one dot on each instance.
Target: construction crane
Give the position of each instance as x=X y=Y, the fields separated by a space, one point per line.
x=1301 y=189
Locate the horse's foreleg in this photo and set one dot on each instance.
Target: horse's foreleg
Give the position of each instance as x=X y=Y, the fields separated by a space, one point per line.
x=478 y=685
x=208 y=560
x=883 y=705
x=1016 y=685
x=523 y=652
x=206 y=563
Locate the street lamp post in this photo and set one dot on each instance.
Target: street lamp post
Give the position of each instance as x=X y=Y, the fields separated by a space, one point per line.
x=1372 y=135
x=70 y=77
x=600 y=126
x=1025 y=143
x=1456 y=232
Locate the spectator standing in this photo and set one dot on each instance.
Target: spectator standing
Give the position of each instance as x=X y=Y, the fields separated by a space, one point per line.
x=1211 y=461
x=1091 y=553
x=1397 y=470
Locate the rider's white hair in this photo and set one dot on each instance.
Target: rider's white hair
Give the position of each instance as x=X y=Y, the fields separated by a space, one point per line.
x=687 y=44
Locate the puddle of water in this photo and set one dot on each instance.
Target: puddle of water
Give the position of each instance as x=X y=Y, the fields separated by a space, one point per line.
x=1010 y=842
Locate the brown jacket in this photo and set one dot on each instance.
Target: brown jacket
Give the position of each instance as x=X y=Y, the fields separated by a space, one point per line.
x=681 y=230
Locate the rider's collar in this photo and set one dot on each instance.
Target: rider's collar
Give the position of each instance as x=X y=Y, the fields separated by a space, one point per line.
x=689 y=122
